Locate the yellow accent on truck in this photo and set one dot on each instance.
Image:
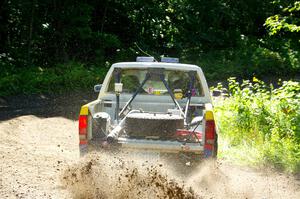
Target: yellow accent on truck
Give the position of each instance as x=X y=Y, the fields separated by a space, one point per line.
x=209 y=115
x=84 y=110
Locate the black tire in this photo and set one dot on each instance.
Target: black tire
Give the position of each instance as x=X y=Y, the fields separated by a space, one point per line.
x=215 y=152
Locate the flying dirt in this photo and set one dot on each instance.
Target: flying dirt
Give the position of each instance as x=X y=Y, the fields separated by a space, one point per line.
x=40 y=159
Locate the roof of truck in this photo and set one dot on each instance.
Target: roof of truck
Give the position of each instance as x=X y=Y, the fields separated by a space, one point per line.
x=155 y=65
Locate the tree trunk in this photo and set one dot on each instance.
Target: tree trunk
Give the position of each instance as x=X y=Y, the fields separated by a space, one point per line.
x=104 y=16
x=30 y=32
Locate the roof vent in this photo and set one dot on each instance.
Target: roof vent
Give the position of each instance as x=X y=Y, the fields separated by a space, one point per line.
x=145 y=59
x=170 y=59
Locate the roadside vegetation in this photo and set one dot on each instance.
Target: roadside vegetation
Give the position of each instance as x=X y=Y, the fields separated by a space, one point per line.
x=260 y=125
x=45 y=50
x=60 y=78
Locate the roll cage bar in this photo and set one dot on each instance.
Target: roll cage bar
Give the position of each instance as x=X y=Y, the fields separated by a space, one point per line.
x=159 y=73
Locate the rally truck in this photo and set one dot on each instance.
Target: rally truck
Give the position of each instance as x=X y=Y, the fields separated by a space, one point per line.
x=153 y=107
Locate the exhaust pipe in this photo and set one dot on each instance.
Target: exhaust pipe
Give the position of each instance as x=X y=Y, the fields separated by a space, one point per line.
x=114 y=134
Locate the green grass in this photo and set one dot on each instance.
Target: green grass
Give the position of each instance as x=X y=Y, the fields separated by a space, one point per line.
x=60 y=78
x=260 y=125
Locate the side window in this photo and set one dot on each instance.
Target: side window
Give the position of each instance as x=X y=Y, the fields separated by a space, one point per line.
x=198 y=87
x=130 y=83
x=111 y=86
x=131 y=79
x=180 y=80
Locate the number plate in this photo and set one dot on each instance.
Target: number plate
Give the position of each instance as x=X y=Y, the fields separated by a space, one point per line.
x=144 y=155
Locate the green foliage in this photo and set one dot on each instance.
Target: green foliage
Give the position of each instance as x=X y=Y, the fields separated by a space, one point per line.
x=248 y=60
x=285 y=26
x=63 y=77
x=260 y=124
x=289 y=22
x=226 y=38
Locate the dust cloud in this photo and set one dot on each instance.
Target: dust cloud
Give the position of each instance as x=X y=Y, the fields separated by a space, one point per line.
x=112 y=176
x=106 y=175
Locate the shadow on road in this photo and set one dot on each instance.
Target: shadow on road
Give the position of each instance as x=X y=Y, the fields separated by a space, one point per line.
x=45 y=105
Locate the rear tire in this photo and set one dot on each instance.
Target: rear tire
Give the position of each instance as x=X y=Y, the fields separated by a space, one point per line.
x=215 y=152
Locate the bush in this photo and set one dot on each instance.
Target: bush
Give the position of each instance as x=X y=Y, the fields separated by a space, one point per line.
x=260 y=124
x=62 y=77
x=251 y=57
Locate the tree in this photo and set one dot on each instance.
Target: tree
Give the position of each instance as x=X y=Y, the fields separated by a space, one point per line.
x=286 y=22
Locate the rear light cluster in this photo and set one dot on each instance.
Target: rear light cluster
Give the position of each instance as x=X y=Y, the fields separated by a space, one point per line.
x=210 y=134
x=83 y=125
x=83 y=129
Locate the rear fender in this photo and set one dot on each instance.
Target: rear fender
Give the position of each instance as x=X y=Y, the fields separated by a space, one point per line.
x=90 y=109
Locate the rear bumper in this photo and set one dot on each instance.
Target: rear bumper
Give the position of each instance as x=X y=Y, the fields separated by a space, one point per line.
x=160 y=146
x=157 y=146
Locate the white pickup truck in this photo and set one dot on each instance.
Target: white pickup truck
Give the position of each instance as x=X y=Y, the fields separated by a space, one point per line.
x=161 y=107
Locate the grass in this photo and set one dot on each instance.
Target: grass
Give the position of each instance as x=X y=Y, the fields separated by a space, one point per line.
x=260 y=125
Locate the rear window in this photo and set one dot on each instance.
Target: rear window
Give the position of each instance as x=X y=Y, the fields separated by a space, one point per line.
x=177 y=80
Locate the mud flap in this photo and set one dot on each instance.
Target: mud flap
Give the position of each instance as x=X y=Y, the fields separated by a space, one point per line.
x=208 y=153
x=143 y=155
x=83 y=150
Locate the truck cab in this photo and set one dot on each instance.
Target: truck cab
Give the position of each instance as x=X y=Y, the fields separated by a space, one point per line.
x=161 y=107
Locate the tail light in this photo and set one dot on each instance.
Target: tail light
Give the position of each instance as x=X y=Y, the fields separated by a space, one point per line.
x=83 y=125
x=210 y=134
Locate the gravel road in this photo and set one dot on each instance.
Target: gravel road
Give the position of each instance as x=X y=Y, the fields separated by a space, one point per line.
x=39 y=159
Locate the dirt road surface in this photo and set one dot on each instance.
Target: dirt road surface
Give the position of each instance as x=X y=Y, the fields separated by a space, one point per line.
x=39 y=159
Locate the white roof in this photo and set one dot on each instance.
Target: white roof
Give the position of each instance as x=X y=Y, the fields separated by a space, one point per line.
x=177 y=66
